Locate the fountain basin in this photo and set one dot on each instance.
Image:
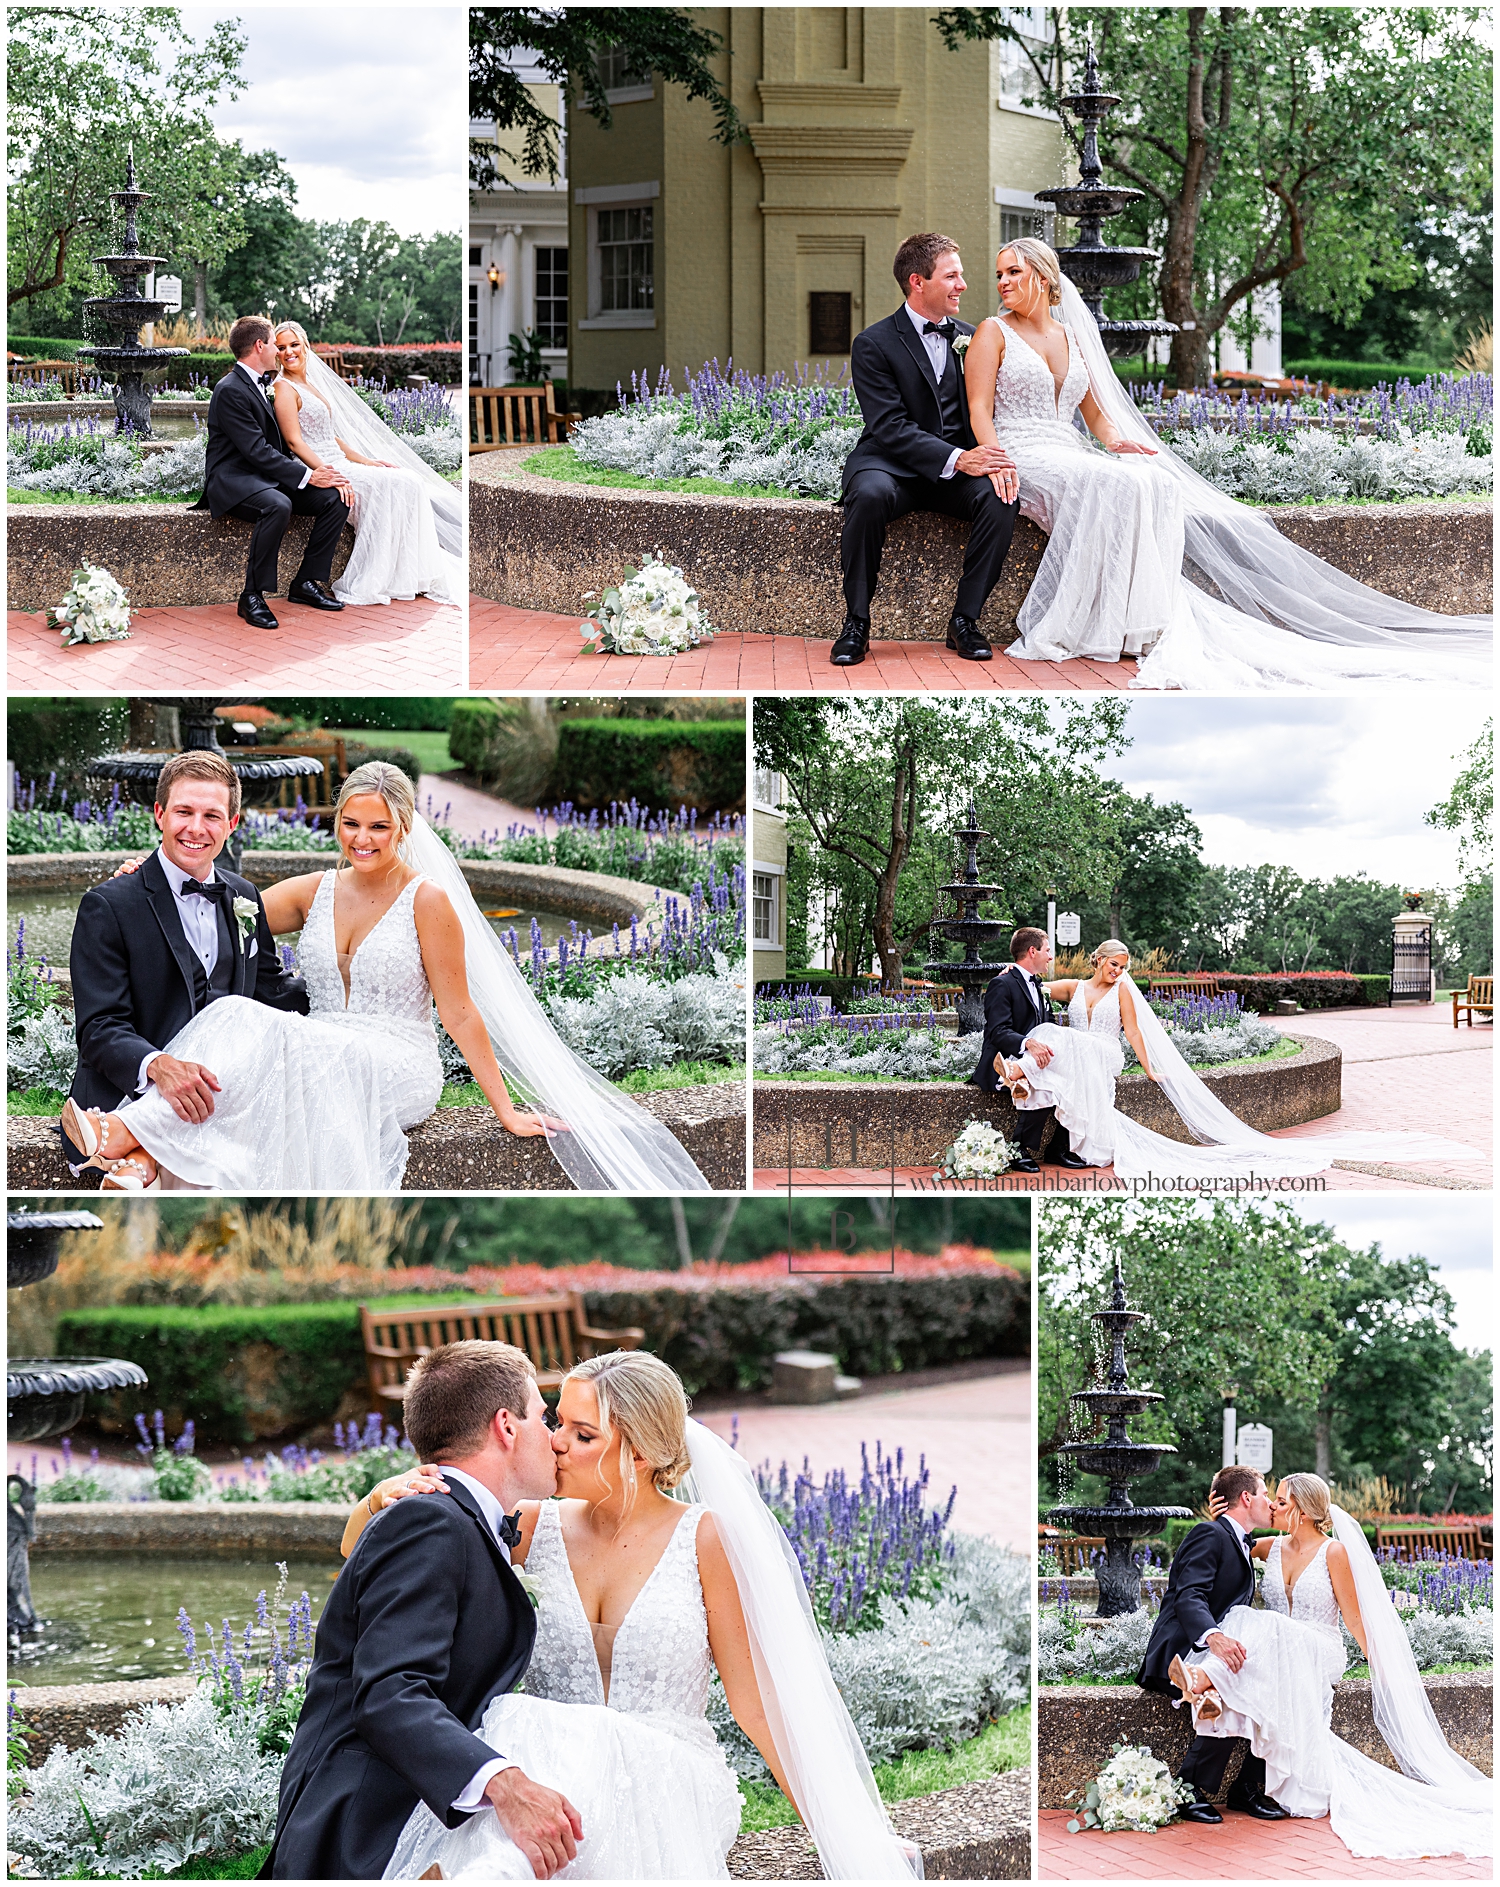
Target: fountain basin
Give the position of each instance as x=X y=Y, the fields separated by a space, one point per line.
x=1132 y=1523
x=45 y=1394
x=1107 y=1402
x=1117 y=1460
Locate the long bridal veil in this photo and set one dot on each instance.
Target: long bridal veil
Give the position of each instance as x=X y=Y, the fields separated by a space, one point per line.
x=1262 y=575
x=1460 y=1818
x=1228 y=1143
x=819 y=1750
x=357 y=425
x=610 y=1144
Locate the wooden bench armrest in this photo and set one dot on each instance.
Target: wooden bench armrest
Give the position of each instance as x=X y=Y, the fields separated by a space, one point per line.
x=631 y=1337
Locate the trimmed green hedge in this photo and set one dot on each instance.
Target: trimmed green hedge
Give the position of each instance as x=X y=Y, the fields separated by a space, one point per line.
x=245 y=1375
x=393 y=364
x=838 y=989
x=42 y=349
x=1318 y=989
x=663 y=764
x=1359 y=374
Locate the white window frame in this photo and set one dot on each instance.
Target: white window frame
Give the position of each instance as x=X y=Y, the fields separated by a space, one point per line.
x=615 y=196
x=1025 y=20
x=635 y=93
x=774 y=876
x=1024 y=200
x=775 y=785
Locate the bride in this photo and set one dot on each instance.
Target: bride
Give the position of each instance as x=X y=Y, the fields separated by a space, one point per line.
x=408 y=522
x=640 y=1596
x=1282 y=1695
x=1074 y=1069
x=1123 y=524
x=323 y=1101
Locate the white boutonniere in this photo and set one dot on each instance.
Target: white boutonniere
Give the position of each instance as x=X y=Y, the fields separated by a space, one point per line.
x=960 y=344
x=247 y=916
x=531 y=1586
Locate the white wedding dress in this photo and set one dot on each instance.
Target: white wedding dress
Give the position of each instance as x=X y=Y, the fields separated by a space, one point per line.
x=315 y=1103
x=1079 y=1082
x=396 y=550
x=640 y=1763
x=1282 y=1700
x=1121 y=528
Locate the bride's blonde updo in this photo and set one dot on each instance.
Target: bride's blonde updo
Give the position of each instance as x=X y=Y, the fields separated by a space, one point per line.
x=1311 y=1495
x=388 y=783
x=642 y=1399
x=1111 y=947
x=1042 y=259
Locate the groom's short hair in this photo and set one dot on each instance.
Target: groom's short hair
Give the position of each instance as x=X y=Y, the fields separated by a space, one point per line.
x=918 y=255
x=199 y=765
x=1235 y=1483
x=249 y=331
x=1024 y=940
x=454 y=1392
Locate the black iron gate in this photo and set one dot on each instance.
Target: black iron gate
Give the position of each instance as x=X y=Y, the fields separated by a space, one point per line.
x=1411 y=972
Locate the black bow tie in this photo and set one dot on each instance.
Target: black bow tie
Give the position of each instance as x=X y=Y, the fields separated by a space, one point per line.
x=215 y=892
x=265 y=379
x=510 y=1529
x=945 y=328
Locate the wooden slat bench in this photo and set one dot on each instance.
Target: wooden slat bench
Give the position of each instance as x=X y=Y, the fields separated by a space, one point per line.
x=1478 y=1001
x=1196 y=985
x=1410 y=1539
x=1072 y=1551
x=553 y=1331
x=38 y=370
x=515 y=416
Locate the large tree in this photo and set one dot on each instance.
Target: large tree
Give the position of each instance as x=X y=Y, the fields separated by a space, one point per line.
x=85 y=85
x=565 y=44
x=1277 y=143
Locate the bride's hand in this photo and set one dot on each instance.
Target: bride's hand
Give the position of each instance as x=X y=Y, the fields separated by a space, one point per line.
x=1132 y=445
x=130 y=866
x=528 y=1126
x=1217 y=1505
x=423 y=1480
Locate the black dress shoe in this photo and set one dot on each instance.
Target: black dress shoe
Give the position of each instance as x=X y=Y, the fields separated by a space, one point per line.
x=1256 y=1803
x=253 y=607
x=1023 y=1163
x=966 y=639
x=1070 y=1160
x=1199 y=1809
x=314 y=594
x=853 y=643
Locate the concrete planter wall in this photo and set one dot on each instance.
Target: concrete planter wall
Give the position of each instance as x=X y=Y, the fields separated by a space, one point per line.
x=462 y=1149
x=305 y=1529
x=772 y=565
x=1078 y=1723
x=838 y=1123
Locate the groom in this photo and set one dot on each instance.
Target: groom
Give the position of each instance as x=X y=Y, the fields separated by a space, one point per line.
x=1014 y=1004
x=917 y=451
x=1211 y=1573
x=425 y=1627
x=153 y=947
x=250 y=473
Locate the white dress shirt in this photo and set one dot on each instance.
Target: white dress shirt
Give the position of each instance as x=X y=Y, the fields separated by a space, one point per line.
x=937 y=353
x=200 y=928
x=494 y=1513
x=265 y=394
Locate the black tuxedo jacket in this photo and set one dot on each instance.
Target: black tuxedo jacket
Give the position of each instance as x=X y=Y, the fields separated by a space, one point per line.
x=1211 y=1572
x=1011 y=1012
x=425 y=1626
x=136 y=981
x=246 y=452
x=898 y=396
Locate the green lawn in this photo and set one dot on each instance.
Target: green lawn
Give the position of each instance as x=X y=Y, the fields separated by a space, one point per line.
x=1004 y=1744
x=430 y=748
x=14 y=497
x=563 y=463
x=682 y=1074
x=35 y=1101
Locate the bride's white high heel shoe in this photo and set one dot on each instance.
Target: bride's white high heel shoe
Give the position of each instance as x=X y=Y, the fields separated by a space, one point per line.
x=1013 y=1078
x=1206 y=1704
x=85 y=1128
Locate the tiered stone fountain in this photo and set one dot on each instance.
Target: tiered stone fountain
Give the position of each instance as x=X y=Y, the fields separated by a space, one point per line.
x=123 y=314
x=44 y=1396
x=973 y=974
x=1120 y=1460
x=1093 y=264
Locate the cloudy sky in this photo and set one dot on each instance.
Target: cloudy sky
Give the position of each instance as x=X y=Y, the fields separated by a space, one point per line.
x=1455 y=1230
x=367 y=104
x=1327 y=786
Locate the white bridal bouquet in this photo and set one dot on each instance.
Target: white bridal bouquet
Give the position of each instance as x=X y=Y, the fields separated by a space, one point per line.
x=654 y=611
x=979 y=1152
x=95 y=609
x=1133 y=1790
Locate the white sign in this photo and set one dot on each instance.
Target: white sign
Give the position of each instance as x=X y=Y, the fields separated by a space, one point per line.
x=169 y=290
x=1255 y=1447
x=1069 y=928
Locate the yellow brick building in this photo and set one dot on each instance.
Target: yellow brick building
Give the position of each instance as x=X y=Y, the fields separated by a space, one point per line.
x=862 y=128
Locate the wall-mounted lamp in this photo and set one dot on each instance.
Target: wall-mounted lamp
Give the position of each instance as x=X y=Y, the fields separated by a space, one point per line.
x=497 y=277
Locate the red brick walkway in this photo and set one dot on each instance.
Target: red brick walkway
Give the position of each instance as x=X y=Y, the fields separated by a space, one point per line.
x=412 y=648
x=522 y=650
x=1238 y=1849
x=1404 y=1068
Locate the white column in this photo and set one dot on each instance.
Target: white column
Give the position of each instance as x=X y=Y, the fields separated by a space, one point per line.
x=507 y=317
x=1229 y=1434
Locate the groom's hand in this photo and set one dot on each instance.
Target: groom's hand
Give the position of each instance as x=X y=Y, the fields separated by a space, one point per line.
x=979 y=460
x=187 y=1085
x=326 y=476
x=1230 y=1650
x=544 y=1825
x=1039 y=1052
